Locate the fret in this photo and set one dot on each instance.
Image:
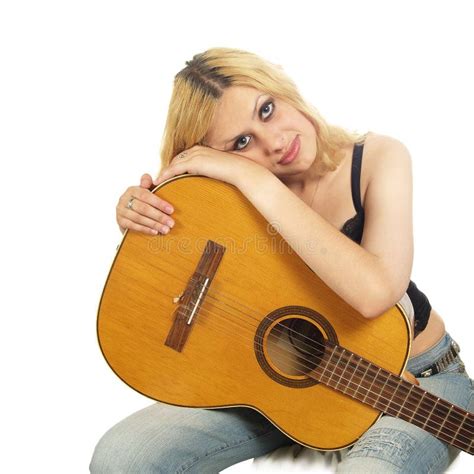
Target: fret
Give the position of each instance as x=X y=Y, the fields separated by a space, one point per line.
x=328 y=362
x=440 y=415
x=393 y=394
x=370 y=386
x=354 y=371
x=335 y=366
x=377 y=401
x=416 y=408
x=460 y=426
x=458 y=416
x=343 y=371
x=444 y=421
x=429 y=414
x=402 y=392
x=407 y=397
x=361 y=380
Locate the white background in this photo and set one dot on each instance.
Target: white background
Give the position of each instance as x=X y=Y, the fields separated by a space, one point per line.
x=84 y=92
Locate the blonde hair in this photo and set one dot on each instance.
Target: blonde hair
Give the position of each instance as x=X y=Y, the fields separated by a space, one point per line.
x=199 y=86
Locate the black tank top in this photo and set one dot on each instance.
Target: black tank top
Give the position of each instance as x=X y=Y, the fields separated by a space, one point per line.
x=354 y=228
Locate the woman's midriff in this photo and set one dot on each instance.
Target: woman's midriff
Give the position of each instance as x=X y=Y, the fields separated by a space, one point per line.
x=433 y=332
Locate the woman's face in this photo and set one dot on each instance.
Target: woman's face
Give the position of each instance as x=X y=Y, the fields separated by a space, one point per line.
x=261 y=128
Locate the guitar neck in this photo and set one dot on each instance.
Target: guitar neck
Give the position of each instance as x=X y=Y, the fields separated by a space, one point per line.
x=358 y=378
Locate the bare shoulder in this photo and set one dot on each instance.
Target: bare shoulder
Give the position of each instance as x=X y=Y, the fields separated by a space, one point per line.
x=383 y=152
x=388 y=225
x=380 y=142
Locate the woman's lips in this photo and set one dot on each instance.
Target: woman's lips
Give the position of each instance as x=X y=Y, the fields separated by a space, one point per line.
x=292 y=152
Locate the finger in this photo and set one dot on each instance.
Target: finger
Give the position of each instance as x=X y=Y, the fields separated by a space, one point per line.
x=140 y=194
x=181 y=156
x=151 y=224
x=169 y=172
x=146 y=214
x=179 y=162
x=160 y=222
x=159 y=179
x=146 y=181
x=131 y=225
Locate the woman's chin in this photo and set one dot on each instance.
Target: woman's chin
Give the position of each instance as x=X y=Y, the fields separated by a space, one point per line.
x=296 y=168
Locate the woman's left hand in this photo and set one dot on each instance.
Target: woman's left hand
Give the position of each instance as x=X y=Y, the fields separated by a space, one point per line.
x=202 y=160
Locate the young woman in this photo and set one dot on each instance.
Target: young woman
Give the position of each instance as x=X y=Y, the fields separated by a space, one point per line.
x=238 y=118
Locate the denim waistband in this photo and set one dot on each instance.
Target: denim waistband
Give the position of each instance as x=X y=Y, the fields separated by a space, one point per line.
x=422 y=361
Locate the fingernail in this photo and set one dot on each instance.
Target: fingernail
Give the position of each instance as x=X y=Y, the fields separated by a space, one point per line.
x=170 y=223
x=165 y=229
x=169 y=209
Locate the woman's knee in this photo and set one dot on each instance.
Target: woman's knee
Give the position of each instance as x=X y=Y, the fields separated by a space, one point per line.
x=168 y=439
x=142 y=442
x=394 y=446
x=120 y=452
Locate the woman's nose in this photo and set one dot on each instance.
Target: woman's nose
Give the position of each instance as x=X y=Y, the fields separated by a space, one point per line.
x=274 y=143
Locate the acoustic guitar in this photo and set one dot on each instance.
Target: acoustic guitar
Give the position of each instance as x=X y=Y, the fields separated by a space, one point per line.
x=222 y=312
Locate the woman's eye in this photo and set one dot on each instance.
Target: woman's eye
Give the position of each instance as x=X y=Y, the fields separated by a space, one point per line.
x=266 y=105
x=239 y=141
x=267 y=108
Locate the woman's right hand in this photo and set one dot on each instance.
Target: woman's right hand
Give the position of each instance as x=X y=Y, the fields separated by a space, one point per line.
x=148 y=213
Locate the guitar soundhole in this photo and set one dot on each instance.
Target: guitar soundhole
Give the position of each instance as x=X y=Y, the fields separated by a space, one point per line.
x=290 y=343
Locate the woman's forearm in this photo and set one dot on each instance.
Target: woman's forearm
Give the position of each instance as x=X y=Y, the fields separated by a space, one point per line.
x=355 y=274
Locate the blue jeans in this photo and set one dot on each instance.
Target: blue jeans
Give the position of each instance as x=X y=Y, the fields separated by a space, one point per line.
x=167 y=439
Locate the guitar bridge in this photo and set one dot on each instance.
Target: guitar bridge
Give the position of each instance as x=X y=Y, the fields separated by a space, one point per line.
x=193 y=296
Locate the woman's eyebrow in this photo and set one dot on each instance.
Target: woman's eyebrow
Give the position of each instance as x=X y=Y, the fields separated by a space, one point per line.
x=253 y=117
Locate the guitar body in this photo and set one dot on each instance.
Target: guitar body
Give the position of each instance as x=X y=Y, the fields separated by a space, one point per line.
x=220 y=344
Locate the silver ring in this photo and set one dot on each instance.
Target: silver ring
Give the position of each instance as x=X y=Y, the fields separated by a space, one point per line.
x=130 y=203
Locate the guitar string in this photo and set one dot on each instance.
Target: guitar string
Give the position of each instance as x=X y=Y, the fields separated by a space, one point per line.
x=259 y=319
x=210 y=294
x=392 y=403
x=295 y=332
x=368 y=391
x=246 y=318
x=336 y=374
x=247 y=313
x=325 y=378
x=363 y=389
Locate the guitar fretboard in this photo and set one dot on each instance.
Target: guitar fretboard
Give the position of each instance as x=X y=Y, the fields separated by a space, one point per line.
x=358 y=378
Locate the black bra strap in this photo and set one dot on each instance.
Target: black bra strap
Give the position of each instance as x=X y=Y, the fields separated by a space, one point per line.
x=355 y=176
